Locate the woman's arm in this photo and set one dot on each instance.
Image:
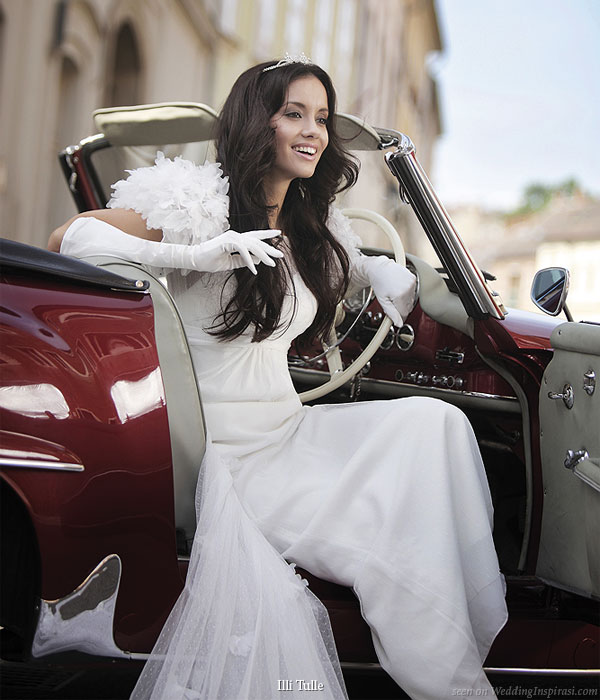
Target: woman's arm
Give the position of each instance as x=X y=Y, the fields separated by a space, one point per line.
x=90 y=235
x=127 y=220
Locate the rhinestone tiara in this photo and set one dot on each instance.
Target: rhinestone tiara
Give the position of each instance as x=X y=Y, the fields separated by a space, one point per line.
x=287 y=60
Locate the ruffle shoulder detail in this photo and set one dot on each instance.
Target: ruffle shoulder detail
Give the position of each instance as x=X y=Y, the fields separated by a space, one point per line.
x=188 y=202
x=342 y=230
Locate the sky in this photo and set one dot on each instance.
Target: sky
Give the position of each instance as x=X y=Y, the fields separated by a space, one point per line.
x=519 y=87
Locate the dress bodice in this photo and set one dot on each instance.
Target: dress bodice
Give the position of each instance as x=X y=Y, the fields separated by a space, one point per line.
x=245 y=386
x=202 y=296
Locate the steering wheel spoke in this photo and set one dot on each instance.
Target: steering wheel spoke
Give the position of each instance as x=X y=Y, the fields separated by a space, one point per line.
x=338 y=375
x=333 y=354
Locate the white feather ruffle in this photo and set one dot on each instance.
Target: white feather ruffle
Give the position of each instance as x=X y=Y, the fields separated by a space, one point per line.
x=188 y=202
x=341 y=228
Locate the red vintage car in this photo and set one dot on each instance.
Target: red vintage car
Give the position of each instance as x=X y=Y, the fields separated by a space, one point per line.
x=102 y=428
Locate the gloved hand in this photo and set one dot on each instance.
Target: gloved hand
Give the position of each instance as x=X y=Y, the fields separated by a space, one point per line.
x=394 y=285
x=91 y=236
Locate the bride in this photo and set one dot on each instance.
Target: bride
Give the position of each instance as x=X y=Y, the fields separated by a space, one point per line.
x=388 y=497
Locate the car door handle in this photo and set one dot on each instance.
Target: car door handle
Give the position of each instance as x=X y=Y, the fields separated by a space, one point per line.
x=584 y=467
x=573 y=457
x=567 y=395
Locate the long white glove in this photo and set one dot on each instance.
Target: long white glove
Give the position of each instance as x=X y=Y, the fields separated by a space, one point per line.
x=394 y=285
x=91 y=236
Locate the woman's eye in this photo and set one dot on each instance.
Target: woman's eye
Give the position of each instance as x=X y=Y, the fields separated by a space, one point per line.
x=323 y=121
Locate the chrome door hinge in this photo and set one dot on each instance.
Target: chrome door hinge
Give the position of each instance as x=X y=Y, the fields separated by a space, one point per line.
x=589 y=382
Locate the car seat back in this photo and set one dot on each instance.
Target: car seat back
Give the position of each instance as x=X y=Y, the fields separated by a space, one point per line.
x=184 y=407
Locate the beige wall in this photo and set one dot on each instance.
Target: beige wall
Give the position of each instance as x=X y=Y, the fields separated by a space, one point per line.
x=49 y=89
x=54 y=74
x=394 y=89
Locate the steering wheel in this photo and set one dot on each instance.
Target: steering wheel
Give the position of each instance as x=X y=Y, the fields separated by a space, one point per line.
x=339 y=375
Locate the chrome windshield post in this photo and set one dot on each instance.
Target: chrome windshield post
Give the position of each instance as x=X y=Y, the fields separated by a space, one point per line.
x=415 y=189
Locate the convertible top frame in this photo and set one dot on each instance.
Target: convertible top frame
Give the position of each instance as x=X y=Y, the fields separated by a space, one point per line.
x=163 y=125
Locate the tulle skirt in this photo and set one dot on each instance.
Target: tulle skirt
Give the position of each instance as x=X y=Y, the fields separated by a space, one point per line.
x=389 y=497
x=245 y=625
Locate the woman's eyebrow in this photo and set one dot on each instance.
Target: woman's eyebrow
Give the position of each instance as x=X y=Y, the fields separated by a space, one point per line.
x=303 y=106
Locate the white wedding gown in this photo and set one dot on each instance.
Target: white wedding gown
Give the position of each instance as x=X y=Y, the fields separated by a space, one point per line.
x=389 y=497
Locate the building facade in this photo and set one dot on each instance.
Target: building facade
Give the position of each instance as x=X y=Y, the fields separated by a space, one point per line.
x=565 y=233
x=61 y=59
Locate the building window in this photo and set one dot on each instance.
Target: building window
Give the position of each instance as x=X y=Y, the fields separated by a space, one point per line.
x=124 y=81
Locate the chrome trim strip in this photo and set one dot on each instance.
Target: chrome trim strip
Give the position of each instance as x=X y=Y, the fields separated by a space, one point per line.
x=447 y=230
x=363 y=667
x=543 y=671
x=90 y=139
x=455 y=392
x=41 y=464
x=478 y=289
x=391 y=137
x=508 y=404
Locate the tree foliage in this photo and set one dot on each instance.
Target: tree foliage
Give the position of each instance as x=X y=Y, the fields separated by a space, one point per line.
x=536 y=196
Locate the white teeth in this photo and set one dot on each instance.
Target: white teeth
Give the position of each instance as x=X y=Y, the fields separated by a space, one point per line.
x=306 y=149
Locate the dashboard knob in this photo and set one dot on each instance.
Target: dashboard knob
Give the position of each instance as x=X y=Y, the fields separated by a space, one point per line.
x=405 y=337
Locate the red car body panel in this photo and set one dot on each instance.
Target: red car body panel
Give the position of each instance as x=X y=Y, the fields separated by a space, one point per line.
x=529 y=331
x=70 y=357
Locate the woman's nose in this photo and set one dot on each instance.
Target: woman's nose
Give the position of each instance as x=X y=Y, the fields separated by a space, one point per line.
x=310 y=127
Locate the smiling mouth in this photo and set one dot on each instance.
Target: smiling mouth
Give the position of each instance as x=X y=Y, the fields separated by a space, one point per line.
x=307 y=151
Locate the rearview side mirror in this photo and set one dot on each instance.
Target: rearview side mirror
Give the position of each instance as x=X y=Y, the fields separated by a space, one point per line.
x=549 y=289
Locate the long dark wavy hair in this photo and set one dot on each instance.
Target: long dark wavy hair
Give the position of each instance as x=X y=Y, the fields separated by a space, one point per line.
x=246 y=151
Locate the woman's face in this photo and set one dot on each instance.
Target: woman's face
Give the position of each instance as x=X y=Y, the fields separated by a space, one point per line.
x=300 y=130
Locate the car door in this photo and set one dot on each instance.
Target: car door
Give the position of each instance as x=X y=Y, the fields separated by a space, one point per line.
x=569 y=554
